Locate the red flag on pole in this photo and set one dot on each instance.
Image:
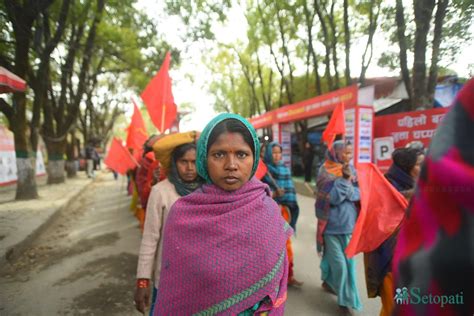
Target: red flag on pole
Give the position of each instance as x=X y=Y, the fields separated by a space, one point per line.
x=137 y=134
x=261 y=170
x=158 y=98
x=382 y=210
x=119 y=158
x=336 y=125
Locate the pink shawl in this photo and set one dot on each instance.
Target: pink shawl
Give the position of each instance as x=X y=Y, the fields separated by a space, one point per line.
x=223 y=252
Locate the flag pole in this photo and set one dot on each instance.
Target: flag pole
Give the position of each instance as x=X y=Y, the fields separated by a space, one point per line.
x=163 y=118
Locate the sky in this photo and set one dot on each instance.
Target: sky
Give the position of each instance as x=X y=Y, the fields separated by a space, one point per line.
x=194 y=91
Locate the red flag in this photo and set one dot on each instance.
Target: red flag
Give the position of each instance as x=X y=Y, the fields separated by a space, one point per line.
x=261 y=170
x=382 y=210
x=137 y=134
x=336 y=125
x=158 y=98
x=119 y=158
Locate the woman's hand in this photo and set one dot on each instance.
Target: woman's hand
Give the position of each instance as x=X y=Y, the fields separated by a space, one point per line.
x=346 y=172
x=142 y=299
x=278 y=193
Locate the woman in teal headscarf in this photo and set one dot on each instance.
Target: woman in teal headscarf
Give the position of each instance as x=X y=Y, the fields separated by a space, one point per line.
x=282 y=175
x=224 y=244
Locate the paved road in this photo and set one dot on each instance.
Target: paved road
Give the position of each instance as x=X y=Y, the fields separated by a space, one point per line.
x=84 y=263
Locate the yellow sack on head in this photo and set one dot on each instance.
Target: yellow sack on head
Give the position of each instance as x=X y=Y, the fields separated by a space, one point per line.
x=163 y=148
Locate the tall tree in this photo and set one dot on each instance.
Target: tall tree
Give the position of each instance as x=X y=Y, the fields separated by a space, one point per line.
x=22 y=16
x=402 y=41
x=372 y=9
x=439 y=27
x=435 y=50
x=41 y=80
x=347 y=43
x=61 y=118
x=423 y=10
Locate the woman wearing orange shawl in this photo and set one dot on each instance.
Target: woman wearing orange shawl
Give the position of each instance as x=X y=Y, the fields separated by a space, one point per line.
x=337 y=213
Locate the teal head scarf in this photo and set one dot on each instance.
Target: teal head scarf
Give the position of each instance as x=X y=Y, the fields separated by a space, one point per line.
x=201 y=156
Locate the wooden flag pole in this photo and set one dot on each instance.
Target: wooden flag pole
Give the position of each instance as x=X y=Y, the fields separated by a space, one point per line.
x=163 y=119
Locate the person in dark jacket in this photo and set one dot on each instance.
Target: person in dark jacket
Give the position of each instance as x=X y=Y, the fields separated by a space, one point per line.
x=378 y=263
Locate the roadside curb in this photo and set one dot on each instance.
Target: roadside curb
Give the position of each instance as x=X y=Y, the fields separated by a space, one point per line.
x=14 y=251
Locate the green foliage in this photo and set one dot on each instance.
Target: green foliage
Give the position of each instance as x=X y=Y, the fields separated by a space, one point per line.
x=456 y=31
x=199 y=15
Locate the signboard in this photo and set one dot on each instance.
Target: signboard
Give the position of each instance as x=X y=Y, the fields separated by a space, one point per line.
x=364 y=150
x=263 y=120
x=409 y=126
x=350 y=125
x=8 y=169
x=318 y=105
x=7 y=157
x=276 y=132
x=286 y=144
x=383 y=148
x=308 y=108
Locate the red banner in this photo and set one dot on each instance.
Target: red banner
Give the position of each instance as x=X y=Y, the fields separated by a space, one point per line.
x=316 y=106
x=397 y=130
x=266 y=119
x=325 y=103
x=409 y=126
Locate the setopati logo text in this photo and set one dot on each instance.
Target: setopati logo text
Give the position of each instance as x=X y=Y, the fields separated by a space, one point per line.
x=414 y=296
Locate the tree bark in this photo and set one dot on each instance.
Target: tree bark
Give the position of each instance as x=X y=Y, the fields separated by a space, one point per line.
x=26 y=188
x=373 y=17
x=61 y=119
x=334 y=40
x=55 y=171
x=438 y=35
x=266 y=96
x=423 y=12
x=326 y=42
x=71 y=161
x=347 y=43
x=309 y=25
x=22 y=19
x=402 y=42
x=290 y=86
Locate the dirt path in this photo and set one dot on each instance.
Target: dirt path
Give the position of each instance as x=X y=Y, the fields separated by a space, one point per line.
x=83 y=264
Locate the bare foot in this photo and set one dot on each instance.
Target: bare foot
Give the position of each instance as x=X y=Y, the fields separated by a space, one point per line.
x=294 y=282
x=345 y=311
x=327 y=288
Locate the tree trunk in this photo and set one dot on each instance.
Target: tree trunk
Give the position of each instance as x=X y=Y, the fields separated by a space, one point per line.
x=438 y=34
x=327 y=45
x=373 y=17
x=71 y=163
x=55 y=171
x=423 y=13
x=402 y=42
x=309 y=25
x=347 y=42
x=334 y=39
x=290 y=86
x=26 y=184
x=22 y=17
x=55 y=168
x=266 y=97
x=71 y=169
